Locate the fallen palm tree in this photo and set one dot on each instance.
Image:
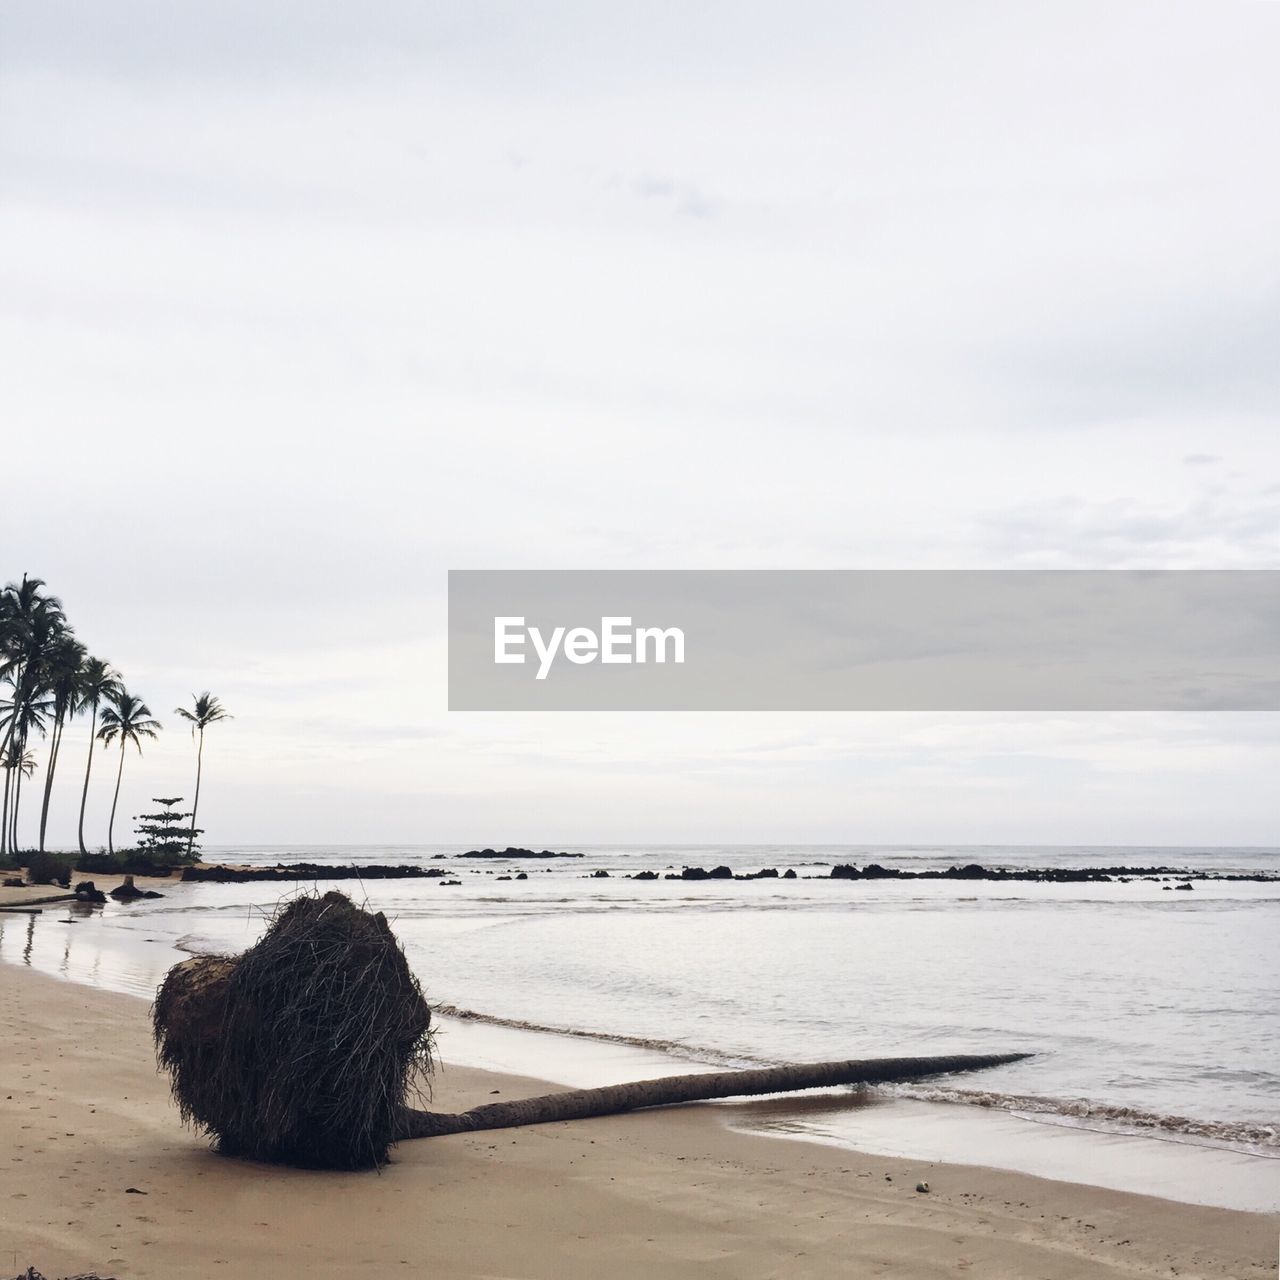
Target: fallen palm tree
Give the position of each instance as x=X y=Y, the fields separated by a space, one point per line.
x=665 y=1091
x=308 y=1048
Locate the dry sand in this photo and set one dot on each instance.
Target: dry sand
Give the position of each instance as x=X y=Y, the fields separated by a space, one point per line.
x=665 y=1194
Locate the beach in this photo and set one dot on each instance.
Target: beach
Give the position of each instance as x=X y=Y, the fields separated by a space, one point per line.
x=84 y=1117
x=679 y=601
x=1149 y=1012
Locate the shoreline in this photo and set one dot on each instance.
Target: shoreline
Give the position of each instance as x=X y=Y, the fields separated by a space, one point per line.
x=901 y=1122
x=83 y=945
x=674 y=1192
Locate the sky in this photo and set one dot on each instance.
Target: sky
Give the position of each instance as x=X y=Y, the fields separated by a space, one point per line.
x=304 y=304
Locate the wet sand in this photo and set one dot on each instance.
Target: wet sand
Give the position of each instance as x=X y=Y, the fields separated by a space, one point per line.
x=84 y=1117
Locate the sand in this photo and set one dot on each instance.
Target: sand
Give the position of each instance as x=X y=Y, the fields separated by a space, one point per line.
x=32 y=895
x=84 y=1118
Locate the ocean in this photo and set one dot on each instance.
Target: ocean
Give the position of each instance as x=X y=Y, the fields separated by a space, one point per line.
x=1151 y=1012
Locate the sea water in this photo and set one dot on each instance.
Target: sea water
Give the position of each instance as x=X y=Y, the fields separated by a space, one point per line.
x=1151 y=1012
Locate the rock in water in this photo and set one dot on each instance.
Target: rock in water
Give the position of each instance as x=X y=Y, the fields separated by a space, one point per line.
x=126 y=891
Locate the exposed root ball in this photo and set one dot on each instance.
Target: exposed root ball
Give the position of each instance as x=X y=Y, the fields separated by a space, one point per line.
x=304 y=1049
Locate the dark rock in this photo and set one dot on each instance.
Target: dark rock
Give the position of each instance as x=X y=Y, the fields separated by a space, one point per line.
x=1029 y=875
x=444 y=884
x=516 y=853
x=524 y=875
x=874 y=871
x=129 y=892
x=768 y=873
x=311 y=871
x=1187 y=885
x=599 y=875
x=87 y=891
x=644 y=875
x=126 y=892
x=789 y=874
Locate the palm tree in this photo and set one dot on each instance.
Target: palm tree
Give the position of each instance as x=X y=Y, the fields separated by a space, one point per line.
x=206 y=710
x=23 y=765
x=581 y=1104
x=31 y=624
x=23 y=718
x=6 y=718
x=97 y=681
x=64 y=671
x=129 y=719
x=29 y=620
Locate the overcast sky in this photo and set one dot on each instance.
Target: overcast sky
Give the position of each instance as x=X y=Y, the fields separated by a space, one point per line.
x=304 y=304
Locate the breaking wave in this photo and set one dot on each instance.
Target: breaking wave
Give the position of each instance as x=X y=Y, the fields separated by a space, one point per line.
x=1080 y=1113
x=674 y=1048
x=1076 y=1113
x=195 y=945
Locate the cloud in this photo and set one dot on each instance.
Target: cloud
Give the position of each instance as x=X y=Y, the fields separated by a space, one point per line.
x=683 y=197
x=316 y=303
x=1234 y=531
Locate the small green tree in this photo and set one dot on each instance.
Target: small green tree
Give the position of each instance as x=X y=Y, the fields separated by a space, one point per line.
x=163 y=837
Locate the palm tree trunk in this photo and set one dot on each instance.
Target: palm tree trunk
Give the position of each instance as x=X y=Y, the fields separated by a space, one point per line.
x=4 y=821
x=55 y=742
x=88 y=765
x=111 y=826
x=11 y=728
x=19 y=746
x=6 y=750
x=17 y=799
x=580 y=1104
x=14 y=737
x=195 y=804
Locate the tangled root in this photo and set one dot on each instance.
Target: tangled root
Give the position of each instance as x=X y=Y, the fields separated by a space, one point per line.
x=305 y=1049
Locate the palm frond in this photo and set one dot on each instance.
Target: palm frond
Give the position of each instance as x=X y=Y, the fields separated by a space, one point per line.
x=128 y=718
x=205 y=710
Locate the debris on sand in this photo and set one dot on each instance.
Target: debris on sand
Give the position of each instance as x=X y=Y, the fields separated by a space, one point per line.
x=300 y=1051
